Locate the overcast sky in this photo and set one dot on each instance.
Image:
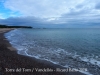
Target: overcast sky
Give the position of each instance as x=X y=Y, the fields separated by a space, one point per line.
x=51 y=13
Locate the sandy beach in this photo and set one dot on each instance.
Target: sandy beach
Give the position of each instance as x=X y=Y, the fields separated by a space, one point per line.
x=12 y=63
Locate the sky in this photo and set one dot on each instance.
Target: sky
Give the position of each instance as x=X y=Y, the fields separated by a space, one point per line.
x=51 y=13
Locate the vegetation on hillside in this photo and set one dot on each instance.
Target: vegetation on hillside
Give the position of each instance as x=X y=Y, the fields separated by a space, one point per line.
x=5 y=26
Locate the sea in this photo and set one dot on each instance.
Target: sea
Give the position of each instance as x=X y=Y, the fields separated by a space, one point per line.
x=68 y=47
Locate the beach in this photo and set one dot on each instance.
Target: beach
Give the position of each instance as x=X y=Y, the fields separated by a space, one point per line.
x=12 y=63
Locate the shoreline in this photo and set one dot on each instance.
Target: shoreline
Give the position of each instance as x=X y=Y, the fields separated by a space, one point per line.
x=10 y=59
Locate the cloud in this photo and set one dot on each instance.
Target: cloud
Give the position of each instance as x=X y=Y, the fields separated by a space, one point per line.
x=97 y=6
x=2 y=15
x=53 y=13
x=53 y=8
x=44 y=8
x=60 y=23
x=19 y=20
x=26 y=21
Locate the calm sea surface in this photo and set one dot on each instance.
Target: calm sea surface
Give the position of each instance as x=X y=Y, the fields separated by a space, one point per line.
x=78 y=48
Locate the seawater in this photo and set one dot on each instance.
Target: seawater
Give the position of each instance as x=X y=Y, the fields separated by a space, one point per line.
x=72 y=47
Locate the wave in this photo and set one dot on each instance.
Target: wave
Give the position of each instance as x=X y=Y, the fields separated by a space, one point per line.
x=60 y=56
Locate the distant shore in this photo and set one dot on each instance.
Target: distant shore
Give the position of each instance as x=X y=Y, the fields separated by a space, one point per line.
x=12 y=63
x=6 y=26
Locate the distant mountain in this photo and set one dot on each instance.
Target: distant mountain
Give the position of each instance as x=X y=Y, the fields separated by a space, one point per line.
x=5 y=26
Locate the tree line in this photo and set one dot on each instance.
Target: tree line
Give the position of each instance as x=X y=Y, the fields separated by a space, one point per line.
x=5 y=26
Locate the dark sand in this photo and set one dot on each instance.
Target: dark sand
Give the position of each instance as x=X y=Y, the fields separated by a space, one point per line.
x=10 y=61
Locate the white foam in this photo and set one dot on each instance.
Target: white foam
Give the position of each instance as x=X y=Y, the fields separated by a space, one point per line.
x=84 y=72
x=39 y=57
x=57 y=52
x=87 y=73
x=91 y=60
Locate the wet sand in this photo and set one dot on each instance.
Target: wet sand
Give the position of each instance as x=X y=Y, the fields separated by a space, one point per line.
x=12 y=63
